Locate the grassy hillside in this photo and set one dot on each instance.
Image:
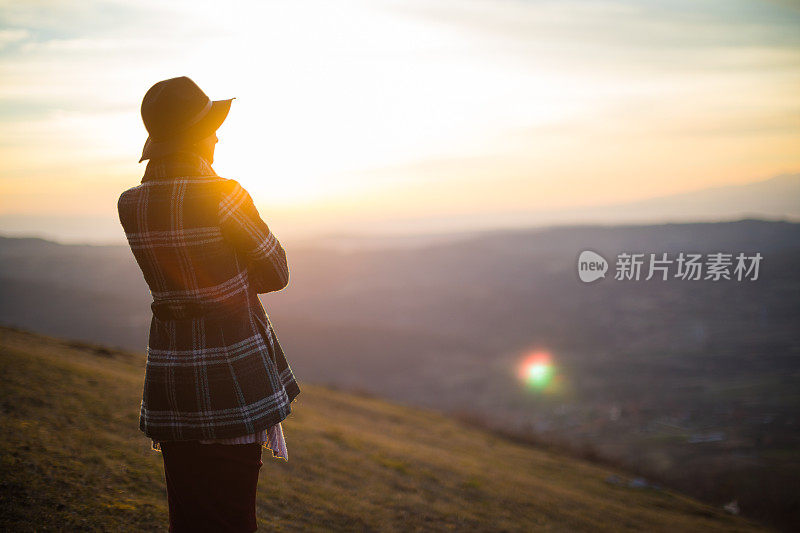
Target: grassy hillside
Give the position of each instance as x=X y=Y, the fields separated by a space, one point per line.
x=73 y=458
x=645 y=370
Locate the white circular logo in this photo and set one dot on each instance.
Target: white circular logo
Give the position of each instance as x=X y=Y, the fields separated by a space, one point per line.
x=591 y=266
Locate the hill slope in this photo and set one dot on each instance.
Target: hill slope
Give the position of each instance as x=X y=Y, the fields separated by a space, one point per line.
x=73 y=458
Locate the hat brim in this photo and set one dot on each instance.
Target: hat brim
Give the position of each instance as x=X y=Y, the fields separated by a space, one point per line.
x=201 y=129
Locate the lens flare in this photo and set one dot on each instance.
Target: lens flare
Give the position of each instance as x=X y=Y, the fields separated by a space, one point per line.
x=536 y=370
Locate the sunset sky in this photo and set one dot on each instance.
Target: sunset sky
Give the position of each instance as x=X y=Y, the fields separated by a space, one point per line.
x=359 y=115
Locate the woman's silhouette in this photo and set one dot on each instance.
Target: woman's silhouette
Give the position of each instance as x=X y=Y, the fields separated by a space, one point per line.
x=217 y=384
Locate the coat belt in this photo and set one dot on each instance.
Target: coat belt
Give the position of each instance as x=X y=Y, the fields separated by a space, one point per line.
x=186 y=309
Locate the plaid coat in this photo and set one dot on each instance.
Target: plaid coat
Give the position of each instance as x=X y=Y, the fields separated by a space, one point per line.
x=214 y=367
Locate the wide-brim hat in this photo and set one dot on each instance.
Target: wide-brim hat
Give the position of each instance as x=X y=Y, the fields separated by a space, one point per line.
x=177 y=114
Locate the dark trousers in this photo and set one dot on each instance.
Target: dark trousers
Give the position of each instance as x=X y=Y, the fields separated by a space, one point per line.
x=211 y=487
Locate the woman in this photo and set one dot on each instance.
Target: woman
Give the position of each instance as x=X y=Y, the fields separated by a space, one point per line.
x=217 y=383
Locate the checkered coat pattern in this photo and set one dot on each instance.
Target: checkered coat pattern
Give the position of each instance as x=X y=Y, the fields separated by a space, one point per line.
x=215 y=368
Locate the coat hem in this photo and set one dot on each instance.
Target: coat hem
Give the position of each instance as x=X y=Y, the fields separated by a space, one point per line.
x=292 y=390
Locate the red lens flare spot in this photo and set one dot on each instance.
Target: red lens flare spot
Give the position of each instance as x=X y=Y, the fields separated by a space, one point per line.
x=536 y=370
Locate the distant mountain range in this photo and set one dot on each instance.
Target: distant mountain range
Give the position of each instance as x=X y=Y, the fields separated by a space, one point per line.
x=777 y=198
x=774 y=198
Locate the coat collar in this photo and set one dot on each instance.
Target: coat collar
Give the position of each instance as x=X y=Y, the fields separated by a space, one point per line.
x=177 y=165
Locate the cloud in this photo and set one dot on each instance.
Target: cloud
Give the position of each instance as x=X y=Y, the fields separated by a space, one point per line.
x=11 y=36
x=641 y=25
x=88 y=45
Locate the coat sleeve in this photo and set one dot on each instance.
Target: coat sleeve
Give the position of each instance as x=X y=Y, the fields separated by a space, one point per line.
x=243 y=228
